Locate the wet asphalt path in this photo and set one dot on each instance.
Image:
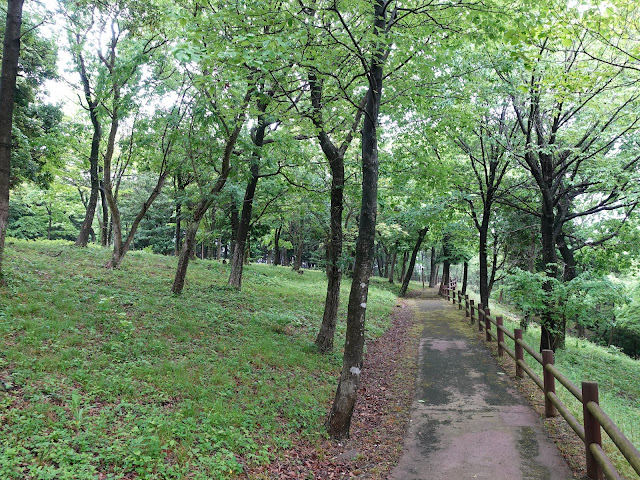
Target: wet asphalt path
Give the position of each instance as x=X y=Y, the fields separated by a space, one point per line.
x=468 y=421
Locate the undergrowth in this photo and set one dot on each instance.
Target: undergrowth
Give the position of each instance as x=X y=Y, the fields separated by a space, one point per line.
x=106 y=374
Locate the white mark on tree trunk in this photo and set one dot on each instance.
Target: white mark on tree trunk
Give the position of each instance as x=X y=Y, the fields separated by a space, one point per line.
x=355 y=370
x=363 y=285
x=363 y=305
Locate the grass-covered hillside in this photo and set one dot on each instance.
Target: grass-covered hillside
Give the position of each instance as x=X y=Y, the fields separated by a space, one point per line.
x=106 y=374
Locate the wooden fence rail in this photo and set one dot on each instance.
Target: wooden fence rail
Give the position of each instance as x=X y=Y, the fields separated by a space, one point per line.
x=594 y=418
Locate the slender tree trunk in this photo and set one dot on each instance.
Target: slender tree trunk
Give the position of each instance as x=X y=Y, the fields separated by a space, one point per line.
x=277 y=260
x=116 y=222
x=50 y=215
x=324 y=340
x=339 y=419
x=86 y=229
x=392 y=269
x=136 y=222
x=237 y=261
x=235 y=222
x=403 y=270
x=298 y=264
x=465 y=275
x=385 y=274
x=205 y=202
x=412 y=262
x=446 y=272
x=8 y=75
x=482 y=257
x=433 y=273
x=104 y=224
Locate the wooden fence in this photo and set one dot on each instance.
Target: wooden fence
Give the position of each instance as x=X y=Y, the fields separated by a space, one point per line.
x=594 y=418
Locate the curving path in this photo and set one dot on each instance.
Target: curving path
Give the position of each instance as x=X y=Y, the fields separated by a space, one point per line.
x=467 y=421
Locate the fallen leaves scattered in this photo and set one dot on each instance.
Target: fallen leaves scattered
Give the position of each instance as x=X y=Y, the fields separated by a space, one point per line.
x=379 y=421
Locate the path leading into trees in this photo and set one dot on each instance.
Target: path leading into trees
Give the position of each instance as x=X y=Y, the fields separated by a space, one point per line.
x=468 y=421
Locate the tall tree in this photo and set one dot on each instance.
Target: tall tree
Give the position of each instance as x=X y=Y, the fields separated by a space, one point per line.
x=339 y=419
x=8 y=74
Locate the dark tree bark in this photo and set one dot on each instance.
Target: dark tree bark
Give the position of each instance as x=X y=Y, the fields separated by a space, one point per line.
x=277 y=258
x=8 y=75
x=465 y=275
x=552 y=160
x=339 y=419
x=104 y=223
x=433 y=272
x=412 y=261
x=380 y=260
x=489 y=165
x=335 y=157
x=446 y=272
x=392 y=268
x=403 y=270
x=206 y=201
x=92 y=105
x=237 y=261
x=235 y=222
x=298 y=263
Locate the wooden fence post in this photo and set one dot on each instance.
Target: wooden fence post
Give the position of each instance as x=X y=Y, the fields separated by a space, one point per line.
x=517 y=333
x=499 y=323
x=472 y=309
x=549 y=383
x=480 y=316
x=459 y=300
x=466 y=306
x=592 y=433
x=453 y=295
x=487 y=324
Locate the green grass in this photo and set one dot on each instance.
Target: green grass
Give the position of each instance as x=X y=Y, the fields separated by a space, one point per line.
x=618 y=378
x=106 y=374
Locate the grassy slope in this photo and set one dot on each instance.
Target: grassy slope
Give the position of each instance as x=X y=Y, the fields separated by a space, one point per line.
x=105 y=374
x=618 y=378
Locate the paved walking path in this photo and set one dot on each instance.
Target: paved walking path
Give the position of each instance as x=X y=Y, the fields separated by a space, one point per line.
x=468 y=421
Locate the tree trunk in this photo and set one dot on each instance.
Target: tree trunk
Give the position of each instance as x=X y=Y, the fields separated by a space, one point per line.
x=550 y=332
x=412 y=262
x=380 y=261
x=403 y=270
x=482 y=253
x=8 y=75
x=324 y=340
x=237 y=261
x=339 y=419
x=446 y=268
x=178 y=232
x=277 y=258
x=136 y=222
x=235 y=222
x=465 y=275
x=86 y=229
x=104 y=225
x=298 y=264
x=392 y=269
x=206 y=202
x=433 y=273
x=116 y=222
